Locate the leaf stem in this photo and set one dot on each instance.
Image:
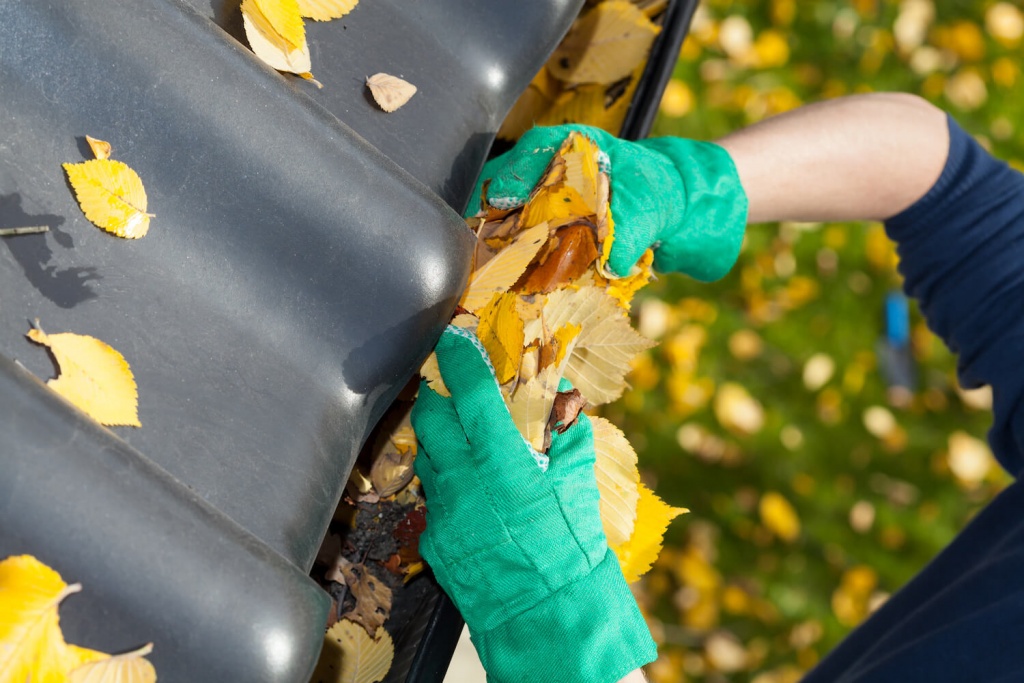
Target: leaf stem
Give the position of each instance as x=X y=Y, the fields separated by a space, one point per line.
x=26 y=230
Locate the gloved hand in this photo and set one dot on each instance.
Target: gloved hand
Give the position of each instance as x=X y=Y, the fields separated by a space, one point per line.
x=520 y=550
x=682 y=197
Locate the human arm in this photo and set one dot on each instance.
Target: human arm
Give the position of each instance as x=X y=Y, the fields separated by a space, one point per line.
x=863 y=157
x=858 y=157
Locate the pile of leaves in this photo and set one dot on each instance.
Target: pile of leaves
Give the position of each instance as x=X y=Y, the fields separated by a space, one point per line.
x=544 y=307
x=593 y=73
x=371 y=552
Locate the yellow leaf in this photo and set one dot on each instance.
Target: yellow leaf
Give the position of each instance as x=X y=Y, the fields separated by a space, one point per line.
x=324 y=10
x=604 y=45
x=390 y=92
x=581 y=168
x=563 y=336
x=779 y=516
x=351 y=656
x=524 y=113
x=79 y=656
x=431 y=372
x=269 y=45
x=93 y=376
x=466 y=321
x=605 y=224
x=537 y=97
x=555 y=204
x=32 y=647
x=131 y=667
x=502 y=271
x=737 y=410
x=100 y=148
x=605 y=346
x=530 y=405
x=309 y=77
x=530 y=310
x=617 y=479
x=501 y=332
x=624 y=289
x=569 y=190
x=111 y=196
x=637 y=555
x=284 y=18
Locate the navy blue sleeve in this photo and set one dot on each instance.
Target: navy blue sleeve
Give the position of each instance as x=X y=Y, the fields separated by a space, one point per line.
x=962 y=256
x=961 y=249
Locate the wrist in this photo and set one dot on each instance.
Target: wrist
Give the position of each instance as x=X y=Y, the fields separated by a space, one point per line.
x=705 y=241
x=590 y=630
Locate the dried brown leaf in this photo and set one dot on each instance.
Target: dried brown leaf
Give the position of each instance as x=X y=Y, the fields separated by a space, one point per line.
x=390 y=92
x=373 y=597
x=564 y=413
x=574 y=252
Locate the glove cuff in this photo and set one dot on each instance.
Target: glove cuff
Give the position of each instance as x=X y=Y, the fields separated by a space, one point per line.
x=590 y=631
x=708 y=242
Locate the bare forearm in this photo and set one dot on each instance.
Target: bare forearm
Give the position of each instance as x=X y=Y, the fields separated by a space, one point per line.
x=865 y=157
x=634 y=676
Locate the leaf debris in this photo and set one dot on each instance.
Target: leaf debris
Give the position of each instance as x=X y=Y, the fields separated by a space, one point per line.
x=390 y=92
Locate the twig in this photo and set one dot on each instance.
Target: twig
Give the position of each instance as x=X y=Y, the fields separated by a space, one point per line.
x=27 y=230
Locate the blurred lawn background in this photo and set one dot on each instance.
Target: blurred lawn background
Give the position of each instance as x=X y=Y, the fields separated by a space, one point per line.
x=816 y=490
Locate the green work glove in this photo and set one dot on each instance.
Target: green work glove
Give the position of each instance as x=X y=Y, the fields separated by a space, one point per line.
x=682 y=197
x=516 y=539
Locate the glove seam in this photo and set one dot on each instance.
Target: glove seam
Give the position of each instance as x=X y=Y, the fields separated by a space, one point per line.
x=579 y=544
x=539 y=603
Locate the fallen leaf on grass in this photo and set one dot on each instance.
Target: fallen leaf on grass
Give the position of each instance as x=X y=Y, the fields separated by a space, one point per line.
x=779 y=515
x=390 y=92
x=276 y=34
x=93 y=376
x=111 y=196
x=324 y=10
x=351 y=656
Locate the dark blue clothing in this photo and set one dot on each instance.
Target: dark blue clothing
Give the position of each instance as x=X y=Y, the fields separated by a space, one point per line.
x=961 y=250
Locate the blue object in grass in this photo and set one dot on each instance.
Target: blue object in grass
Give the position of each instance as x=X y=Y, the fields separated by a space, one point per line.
x=894 y=355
